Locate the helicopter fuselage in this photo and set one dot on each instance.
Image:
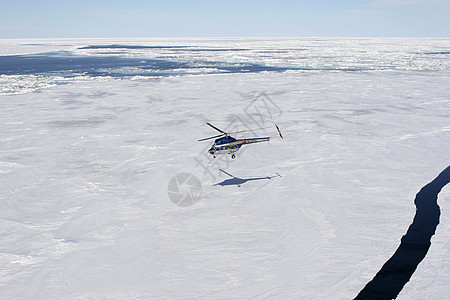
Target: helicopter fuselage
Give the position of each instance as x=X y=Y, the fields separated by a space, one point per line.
x=230 y=145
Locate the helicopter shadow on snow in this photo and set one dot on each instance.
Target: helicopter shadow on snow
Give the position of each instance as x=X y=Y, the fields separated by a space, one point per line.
x=239 y=181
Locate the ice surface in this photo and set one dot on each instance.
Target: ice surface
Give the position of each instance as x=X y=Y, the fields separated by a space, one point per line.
x=85 y=168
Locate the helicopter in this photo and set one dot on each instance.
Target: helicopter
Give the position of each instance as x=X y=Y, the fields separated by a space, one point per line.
x=226 y=144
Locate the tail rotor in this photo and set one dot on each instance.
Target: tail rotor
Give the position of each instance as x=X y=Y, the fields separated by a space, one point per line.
x=279 y=132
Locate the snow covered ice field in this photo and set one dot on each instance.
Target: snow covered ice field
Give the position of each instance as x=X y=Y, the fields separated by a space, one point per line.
x=86 y=157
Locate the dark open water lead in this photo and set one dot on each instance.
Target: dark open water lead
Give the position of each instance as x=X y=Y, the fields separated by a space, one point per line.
x=397 y=271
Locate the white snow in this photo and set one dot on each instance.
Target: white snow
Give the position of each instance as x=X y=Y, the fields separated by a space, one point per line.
x=85 y=168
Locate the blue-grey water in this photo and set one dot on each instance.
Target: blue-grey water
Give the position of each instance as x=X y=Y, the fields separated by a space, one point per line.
x=22 y=73
x=69 y=65
x=397 y=271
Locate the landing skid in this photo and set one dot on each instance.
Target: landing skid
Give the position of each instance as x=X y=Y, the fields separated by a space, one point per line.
x=232 y=156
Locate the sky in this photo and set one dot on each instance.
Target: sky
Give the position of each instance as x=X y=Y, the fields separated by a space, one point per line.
x=231 y=18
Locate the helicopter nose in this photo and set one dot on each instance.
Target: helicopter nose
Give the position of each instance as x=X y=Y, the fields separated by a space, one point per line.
x=211 y=151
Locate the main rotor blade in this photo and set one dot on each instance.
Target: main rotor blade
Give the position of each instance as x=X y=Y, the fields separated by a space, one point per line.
x=216 y=128
x=212 y=137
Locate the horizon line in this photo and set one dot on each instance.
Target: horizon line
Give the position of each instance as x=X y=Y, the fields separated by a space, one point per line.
x=230 y=37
